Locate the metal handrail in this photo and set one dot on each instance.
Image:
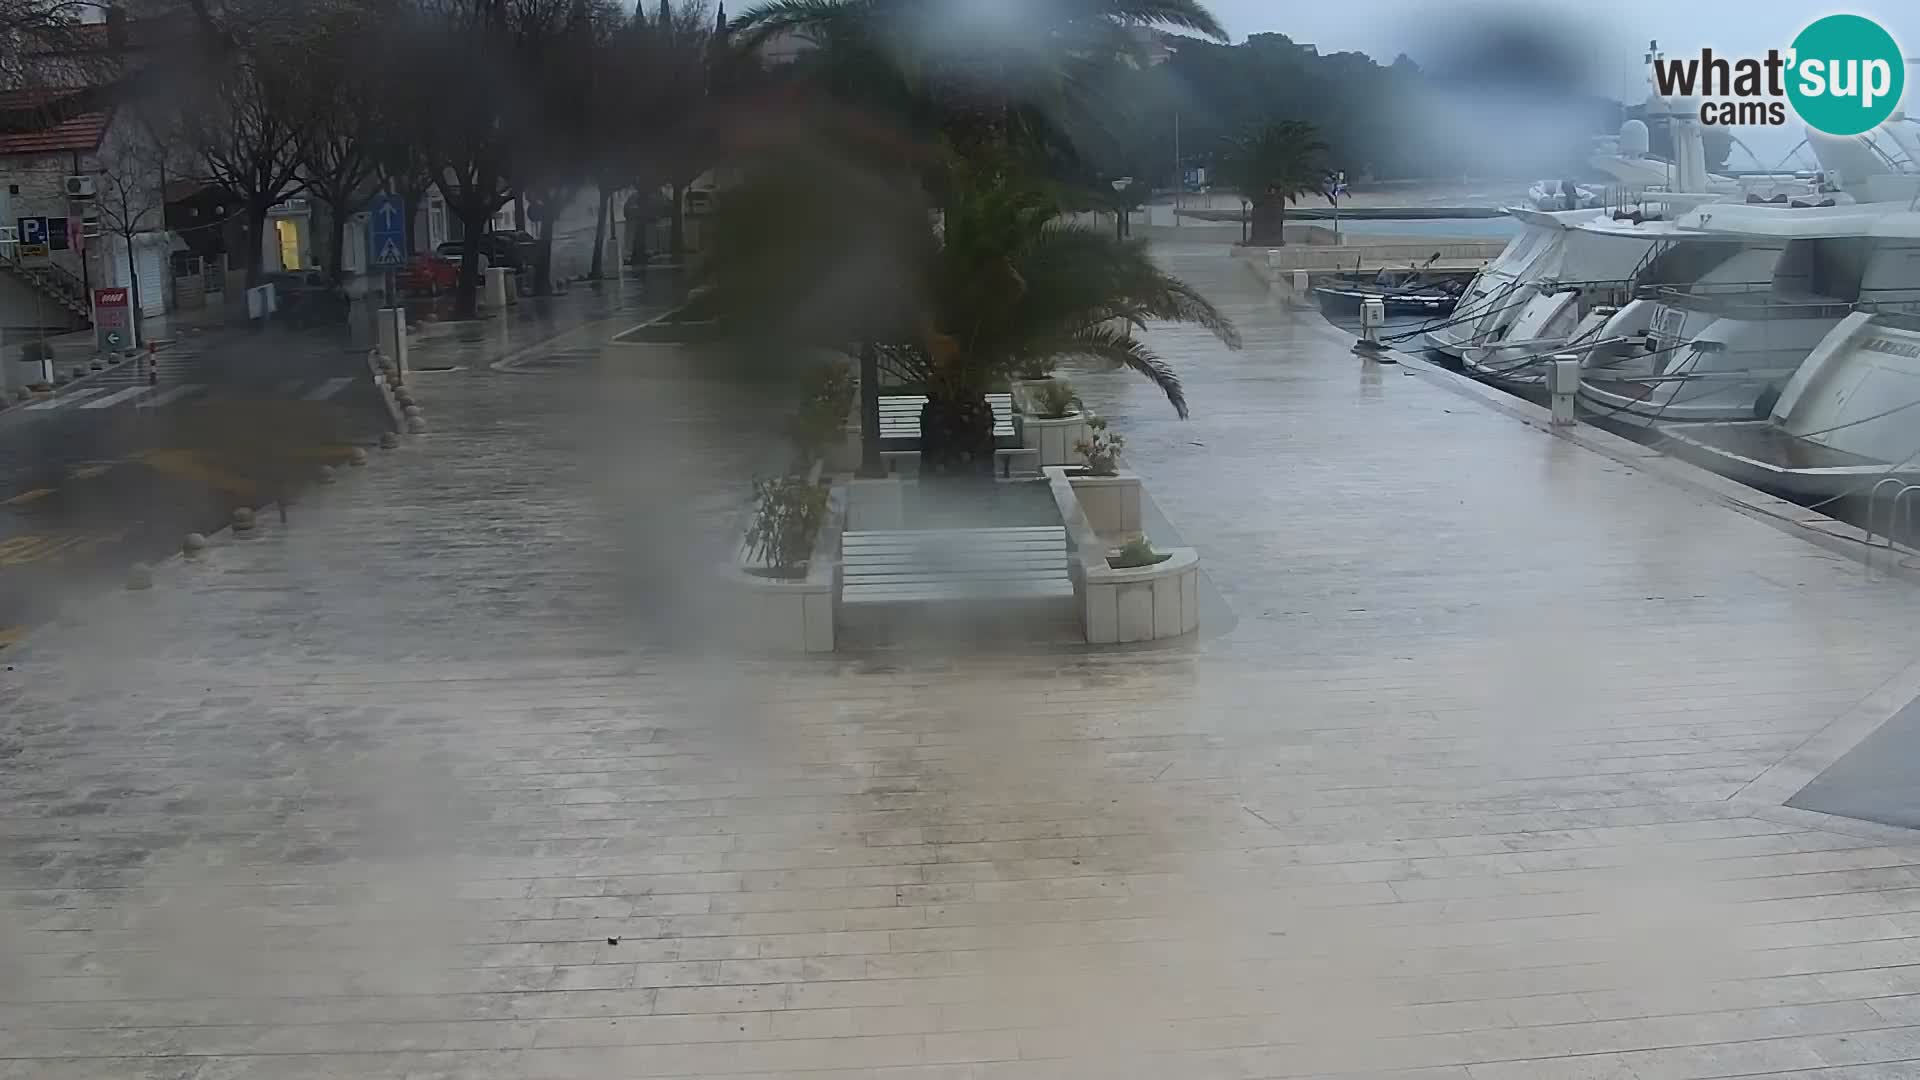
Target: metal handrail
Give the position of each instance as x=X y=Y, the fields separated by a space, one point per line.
x=1750 y=303
x=1906 y=317
x=1893 y=511
x=57 y=278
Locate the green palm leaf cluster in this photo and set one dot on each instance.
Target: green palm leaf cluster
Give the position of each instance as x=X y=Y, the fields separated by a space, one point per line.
x=997 y=283
x=1272 y=165
x=976 y=74
x=1015 y=288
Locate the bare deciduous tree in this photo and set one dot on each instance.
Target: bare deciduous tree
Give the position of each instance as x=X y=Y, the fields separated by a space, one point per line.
x=130 y=196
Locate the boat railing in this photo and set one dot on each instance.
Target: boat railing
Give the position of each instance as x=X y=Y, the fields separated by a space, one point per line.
x=1901 y=314
x=1902 y=497
x=1615 y=291
x=1743 y=300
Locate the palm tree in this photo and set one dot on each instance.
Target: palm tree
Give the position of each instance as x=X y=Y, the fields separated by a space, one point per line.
x=959 y=71
x=1271 y=166
x=1002 y=284
x=1013 y=288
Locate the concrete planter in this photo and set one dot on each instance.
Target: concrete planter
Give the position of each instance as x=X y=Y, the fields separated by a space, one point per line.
x=790 y=615
x=1111 y=503
x=1055 y=439
x=1141 y=603
x=1026 y=391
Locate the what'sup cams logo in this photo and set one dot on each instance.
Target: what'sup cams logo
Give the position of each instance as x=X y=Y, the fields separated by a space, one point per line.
x=1843 y=75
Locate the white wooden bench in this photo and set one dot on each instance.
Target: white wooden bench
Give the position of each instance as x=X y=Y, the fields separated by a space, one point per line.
x=991 y=565
x=900 y=429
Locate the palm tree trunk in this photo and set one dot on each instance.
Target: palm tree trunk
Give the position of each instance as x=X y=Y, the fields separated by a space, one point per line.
x=1269 y=222
x=956 y=436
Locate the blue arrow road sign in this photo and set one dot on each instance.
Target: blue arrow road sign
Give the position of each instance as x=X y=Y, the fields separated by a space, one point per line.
x=386 y=232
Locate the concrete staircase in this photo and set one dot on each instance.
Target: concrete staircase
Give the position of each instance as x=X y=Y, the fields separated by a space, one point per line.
x=53 y=283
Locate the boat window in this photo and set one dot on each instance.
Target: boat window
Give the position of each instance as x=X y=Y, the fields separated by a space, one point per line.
x=1892 y=281
x=1837 y=264
x=1685 y=262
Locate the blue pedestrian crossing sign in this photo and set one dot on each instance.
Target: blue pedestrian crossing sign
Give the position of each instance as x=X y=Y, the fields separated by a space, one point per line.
x=386 y=232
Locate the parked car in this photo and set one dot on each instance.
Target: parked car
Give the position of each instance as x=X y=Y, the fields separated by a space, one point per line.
x=430 y=275
x=511 y=249
x=307 y=298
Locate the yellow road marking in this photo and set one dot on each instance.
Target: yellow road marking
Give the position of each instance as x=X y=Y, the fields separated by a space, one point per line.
x=187 y=465
x=87 y=472
x=26 y=497
x=19 y=550
x=11 y=634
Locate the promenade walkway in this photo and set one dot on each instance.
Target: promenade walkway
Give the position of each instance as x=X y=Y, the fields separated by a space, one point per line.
x=1485 y=781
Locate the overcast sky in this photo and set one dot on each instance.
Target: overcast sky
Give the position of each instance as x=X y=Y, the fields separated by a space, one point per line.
x=1605 y=39
x=1614 y=32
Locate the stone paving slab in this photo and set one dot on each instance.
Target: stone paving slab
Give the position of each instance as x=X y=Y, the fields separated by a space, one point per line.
x=443 y=780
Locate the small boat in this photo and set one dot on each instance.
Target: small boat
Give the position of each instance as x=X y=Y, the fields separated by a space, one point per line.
x=1404 y=292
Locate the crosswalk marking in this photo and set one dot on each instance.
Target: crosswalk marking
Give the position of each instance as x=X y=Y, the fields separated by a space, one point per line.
x=68 y=399
x=116 y=397
x=327 y=389
x=167 y=397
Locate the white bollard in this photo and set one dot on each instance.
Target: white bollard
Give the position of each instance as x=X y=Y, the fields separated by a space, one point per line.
x=393 y=339
x=1302 y=284
x=1563 y=380
x=1373 y=316
x=495 y=296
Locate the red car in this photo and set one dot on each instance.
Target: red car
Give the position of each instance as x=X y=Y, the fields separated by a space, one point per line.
x=429 y=275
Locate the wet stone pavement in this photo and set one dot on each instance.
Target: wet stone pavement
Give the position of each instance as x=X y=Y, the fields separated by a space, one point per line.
x=442 y=780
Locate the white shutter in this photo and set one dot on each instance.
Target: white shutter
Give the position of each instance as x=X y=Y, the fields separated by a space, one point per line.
x=152 y=261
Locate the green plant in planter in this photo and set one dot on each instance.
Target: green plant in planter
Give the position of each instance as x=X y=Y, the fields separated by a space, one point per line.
x=817 y=424
x=1035 y=368
x=1136 y=552
x=1055 y=400
x=1100 y=449
x=787 y=513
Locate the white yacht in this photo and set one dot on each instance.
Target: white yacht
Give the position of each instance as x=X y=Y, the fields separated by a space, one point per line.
x=1565 y=264
x=1772 y=282
x=1550 y=260
x=1849 y=417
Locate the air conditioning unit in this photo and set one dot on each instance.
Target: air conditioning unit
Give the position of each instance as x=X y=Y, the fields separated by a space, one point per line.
x=80 y=187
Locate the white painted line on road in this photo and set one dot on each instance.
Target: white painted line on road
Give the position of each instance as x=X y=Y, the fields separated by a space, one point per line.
x=169 y=397
x=77 y=395
x=117 y=397
x=327 y=389
x=287 y=387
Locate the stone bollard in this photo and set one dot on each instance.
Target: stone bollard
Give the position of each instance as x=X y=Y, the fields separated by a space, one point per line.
x=388 y=440
x=243 y=520
x=356 y=457
x=140 y=576
x=193 y=545
x=412 y=411
x=326 y=474
x=1563 y=383
x=404 y=396
x=416 y=425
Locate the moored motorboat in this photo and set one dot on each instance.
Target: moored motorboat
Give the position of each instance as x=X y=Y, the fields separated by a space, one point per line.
x=1846 y=421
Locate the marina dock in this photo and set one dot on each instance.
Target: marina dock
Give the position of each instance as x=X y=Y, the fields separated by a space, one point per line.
x=1485 y=779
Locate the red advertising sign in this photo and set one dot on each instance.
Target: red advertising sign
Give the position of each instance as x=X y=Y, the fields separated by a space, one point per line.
x=112 y=319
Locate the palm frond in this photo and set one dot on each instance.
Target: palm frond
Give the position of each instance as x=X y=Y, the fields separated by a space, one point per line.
x=1122 y=349
x=816 y=20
